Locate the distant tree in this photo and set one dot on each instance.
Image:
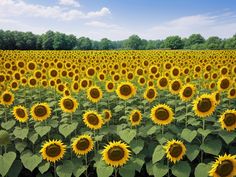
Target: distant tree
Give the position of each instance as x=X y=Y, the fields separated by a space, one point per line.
x=134 y=42
x=59 y=41
x=39 y=42
x=30 y=40
x=95 y=45
x=105 y=44
x=230 y=43
x=84 y=43
x=214 y=43
x=173 y=42
x=48 y=40
x=71 y=42
x=193 y=41
x=153 y=44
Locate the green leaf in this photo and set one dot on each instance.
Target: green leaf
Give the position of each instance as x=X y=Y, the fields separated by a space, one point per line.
x=138 y=164
x=127 y=135
x=21 y=133
x=204 y=133
x=152 y=130
x=103 y=170
x=33 y=137
x=30 y=161
x=79 y=168
x=158 y=154
x=181 y=169
x=119 y=108
x=202 y=170
x=228 y=137
x=42 y=130
x=15 y=169
x=6 y=161
x=66 y=169
x=43 y=167
x=212 y=146
x=128 y=170
x=20 y=146
x=159 y=169
x=8 y=125
x=192 y=151
x=188 y=134
x=4 y=138
x=67 y=129
x=137 y=145
x=53 y=123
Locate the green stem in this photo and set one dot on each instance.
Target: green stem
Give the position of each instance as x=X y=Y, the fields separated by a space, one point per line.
x=162 y=129
x=71 y=117
x=54 y=167
x=116 y=172
x=5 y=148
x=168 y=165
x=203 y=127
x=186 y=115
x=86 y=163
x=5 y=118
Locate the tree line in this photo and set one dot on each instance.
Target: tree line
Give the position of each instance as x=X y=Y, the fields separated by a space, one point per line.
x=15 y=40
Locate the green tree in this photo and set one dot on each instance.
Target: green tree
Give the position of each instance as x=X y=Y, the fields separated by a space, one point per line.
x=59 y=41
x=173 y=42
x=84 y=43
x=230 y=43
x=48 y=40
x=214 y=43
x=193 y=41
x=134 y=42
x=105 y=44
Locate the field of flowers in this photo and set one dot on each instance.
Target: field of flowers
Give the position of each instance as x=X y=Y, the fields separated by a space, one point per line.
x=118 y=113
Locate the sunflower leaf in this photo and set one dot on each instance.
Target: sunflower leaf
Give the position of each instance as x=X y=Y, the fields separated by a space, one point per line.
x=202 y=170
x=181 y=169
x=188 y=134
x=65 y=169
x=159 y=169
x=158 y=154
x=21 y=133
x=228 y=137
x=6 y=161
x=127 y=135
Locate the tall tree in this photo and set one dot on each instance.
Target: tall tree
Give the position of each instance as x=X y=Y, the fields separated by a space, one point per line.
x=173 y=42
x=134 y=42
x=47 y=40
x=84 y=43
x=214 y=43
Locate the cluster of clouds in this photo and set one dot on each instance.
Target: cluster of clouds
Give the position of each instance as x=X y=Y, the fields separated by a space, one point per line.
x=96 y=24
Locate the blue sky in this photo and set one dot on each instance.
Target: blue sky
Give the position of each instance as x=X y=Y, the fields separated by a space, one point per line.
x=118 y=19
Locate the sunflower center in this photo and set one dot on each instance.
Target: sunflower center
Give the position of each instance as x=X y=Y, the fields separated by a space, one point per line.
x=68 y=103
x=84 y=84
x=53 y=150
x=225 y=168
x=94 y=93
x=163 y=82
x=32 y=82
x=175 y=86
x=187 y=92
x=125 y=90
x=204 y=105
x=224 y=83
x=7 y=97
x=162 y=114
x=175 y=72
x=20 y=113
x=110 y=86
x=230 y=119
x=135 y=117
x=175 y=150
x=107 y=115
x=91 y=72
x=93 y=119
x=232 y=92
x=217 y=97
x=150 y=93
x=154 y=70
x=116 y=153
x=82 y=144
x=40 y=111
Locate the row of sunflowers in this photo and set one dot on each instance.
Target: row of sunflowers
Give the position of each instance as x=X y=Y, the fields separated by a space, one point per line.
x=120 y=113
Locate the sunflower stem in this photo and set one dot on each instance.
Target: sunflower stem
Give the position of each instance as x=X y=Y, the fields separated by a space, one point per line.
x=54 y=169
x=203 y=127
x=125 y=107
x=116 y=171
x=86 y=163
x=162 y=129
x=168 y=166
x=71 y=117
x=5 y=148
x=5 y=118
x=186 y=115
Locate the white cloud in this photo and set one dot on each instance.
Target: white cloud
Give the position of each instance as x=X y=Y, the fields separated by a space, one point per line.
x=222 y=25
x=99 y=24
x=14 y=8
x=69 y=3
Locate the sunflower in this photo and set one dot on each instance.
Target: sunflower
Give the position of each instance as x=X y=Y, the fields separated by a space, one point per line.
x=135 y=117
x=187 y=92
x=216 y=96
x=7 y=98
x=93 y=120
x=175 y=86
x=223 y=83
x=94 y=94
x=150 y=94
x=175 y=72
x=40 y=111
x=232 y=93
x=204 y=105
x=162 y=114
x=53 y=150
x=162 y=82
x=82 y=145
x=110 y=86
x=32 y=82
x=84 y=83
x=116 y=153
x=228 y=120
x=68 y=104
x=175 y=150
x=125 y=90
x=20 y=113
x=107 y=115
x=90 y=72
x=224 y=166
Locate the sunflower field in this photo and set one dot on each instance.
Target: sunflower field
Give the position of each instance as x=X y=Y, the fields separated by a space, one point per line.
x=118 y=113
